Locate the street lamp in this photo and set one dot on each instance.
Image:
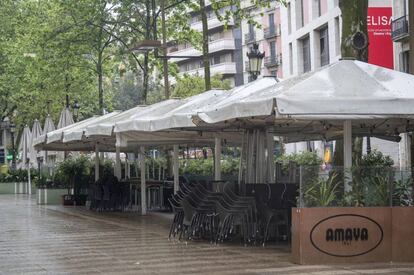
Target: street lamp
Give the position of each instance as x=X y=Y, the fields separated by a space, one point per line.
x=75 y=108
x=255 y=61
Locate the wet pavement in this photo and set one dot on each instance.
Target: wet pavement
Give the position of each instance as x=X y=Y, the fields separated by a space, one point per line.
x=65 y=240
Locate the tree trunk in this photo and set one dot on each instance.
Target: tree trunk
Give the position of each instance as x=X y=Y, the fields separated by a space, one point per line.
x=206 y=57
x=354 y=19
x=100 y=83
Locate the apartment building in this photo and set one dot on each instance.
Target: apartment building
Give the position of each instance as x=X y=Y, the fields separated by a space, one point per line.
x=400 y=37
x=267 y=36
x=225 y=47
x=311 y=35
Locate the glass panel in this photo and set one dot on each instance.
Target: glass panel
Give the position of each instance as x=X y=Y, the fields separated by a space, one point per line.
x=324 y=46
x=306 y=55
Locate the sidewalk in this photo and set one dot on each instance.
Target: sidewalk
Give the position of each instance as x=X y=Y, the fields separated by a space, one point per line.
x=56 y=240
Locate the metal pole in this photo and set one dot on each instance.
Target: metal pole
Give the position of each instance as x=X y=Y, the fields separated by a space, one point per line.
x=143 y=182
x=175 y=169
x=347 y=154
x=217 y=158
x=96 y=162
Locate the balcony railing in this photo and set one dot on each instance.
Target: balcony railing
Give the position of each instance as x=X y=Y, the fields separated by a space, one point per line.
x=250 y=37
x=271 y=32
x=271 y=61
x=399 y=28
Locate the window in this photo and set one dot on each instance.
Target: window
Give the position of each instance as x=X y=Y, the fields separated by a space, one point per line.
x=404 y=61
x=272 y=45
x=299 y=14
x=324 y=46
x=271 y=21
x=316 y=7
x=251 y=29
x=289 y=15
x=306 y=54
x=273 y=73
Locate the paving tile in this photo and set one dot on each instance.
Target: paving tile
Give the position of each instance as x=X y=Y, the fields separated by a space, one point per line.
x=65 y=240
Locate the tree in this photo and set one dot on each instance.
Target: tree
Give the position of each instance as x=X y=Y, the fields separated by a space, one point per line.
x=190 y=85
x=354 y=19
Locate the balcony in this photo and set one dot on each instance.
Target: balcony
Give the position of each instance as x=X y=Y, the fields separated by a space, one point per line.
x=399 y=29
x=212 y=23
x=271 y=32
x=272 y=61
x=221 y=68
x=249 y=38
x=218 y=45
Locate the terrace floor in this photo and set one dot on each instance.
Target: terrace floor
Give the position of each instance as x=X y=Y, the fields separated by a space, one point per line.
x=65 y=240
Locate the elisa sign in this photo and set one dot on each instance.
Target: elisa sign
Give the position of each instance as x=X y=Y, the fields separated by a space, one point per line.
x=346 y=235
x=380 y=49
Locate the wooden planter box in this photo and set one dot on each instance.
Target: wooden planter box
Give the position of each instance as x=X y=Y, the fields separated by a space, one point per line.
x=323 y=235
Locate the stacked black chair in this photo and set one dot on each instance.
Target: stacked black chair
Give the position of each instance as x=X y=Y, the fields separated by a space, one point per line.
x=200 y=213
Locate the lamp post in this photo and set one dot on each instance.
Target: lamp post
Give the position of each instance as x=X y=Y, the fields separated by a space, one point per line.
x=255 y=61
x=12 y=127
x=75 y=108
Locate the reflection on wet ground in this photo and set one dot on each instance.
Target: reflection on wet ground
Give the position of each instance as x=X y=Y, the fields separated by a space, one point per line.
x=56 y=240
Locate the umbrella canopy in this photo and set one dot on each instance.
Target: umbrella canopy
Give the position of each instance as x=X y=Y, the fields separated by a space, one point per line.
x=175 y=116
x=65 y=118
x=25 y=145
x=36 y=132
x=350 y=90
x=313 y=106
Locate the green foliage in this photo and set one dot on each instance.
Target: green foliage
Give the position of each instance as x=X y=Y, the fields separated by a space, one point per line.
x=202 y=167
x=403 y=192
x=301 y=159
x=376 y=159
x=73 y=173
x=19 y=175
x=189 y=85
x=230 y=165
x=322 y=192
x=371 y=180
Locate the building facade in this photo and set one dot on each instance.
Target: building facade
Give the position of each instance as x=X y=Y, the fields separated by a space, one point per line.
x=225 y=47
x=267 y=36
x=311 y=35
x=400 y=36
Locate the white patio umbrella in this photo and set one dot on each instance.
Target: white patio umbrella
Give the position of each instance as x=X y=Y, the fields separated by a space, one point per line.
x=48 y=127
x=65 y=118
x=24 y=149
x=36 y=132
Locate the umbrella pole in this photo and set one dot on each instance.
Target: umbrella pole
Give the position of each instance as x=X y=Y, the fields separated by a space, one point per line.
x=217 y=158
x=96 y=162
x=175 y=169
x=143 y=182
x=347 y=155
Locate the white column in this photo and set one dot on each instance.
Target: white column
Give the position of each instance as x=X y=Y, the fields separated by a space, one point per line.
x=405 y=152
x=117 y=167
x=143 y=183
x=347 y=153
x=96 y=162
x=217 y=158
x=176 y=166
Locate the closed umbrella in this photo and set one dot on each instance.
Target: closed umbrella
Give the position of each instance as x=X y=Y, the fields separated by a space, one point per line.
x=65 y=118
x=24 y=149
x=48 y=127
x=36 y=132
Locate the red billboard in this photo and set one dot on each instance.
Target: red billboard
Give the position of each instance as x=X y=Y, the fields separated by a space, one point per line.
x=380 y=49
